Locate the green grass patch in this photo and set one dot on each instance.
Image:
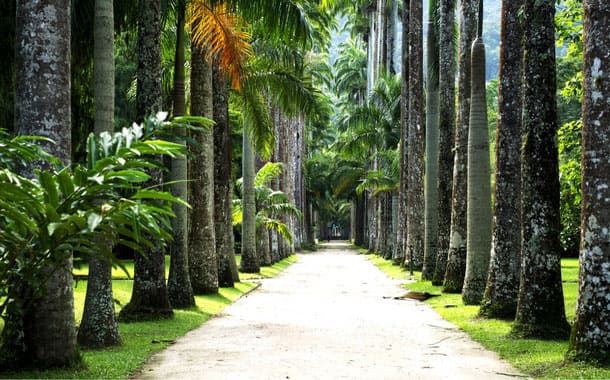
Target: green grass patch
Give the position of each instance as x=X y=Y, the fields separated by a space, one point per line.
x=267 y=272
x=537 y=358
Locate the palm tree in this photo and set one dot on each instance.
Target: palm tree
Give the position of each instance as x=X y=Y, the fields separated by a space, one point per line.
x=591 y=333
x=456 y=258
x=415 y=181
x=45 y=336
x=99 y=326
x=478 y=236
x=149 y=299
x=500 y=299
x=446 y=133
x=540 y=308
x=432 y=145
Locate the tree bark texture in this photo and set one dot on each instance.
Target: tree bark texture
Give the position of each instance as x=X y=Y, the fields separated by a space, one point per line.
x=401 y=233
x=415 y=178
x=540 y=308
x=500 y=299
x=99 y=327
x=179 y=287
x=591 y=332
x=249 y=258
x=263 y=250
x=203 y=263
x=149 y=298
x=46 y=332
x=223 y=190
x=446 y=133
x=431 y=162
x=478 y=236
x=456 y=257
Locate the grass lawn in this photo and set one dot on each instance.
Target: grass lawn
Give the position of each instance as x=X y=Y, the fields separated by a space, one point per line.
x=538 y=358
x=141 y=340
x=267 y=272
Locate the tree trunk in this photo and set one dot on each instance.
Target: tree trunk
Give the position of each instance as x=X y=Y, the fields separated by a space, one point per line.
x=44 y=335
x=360 y=218
x=223 y=191
x=149 y=299
x=203 y=263
x=446 y=134
x=399 y=249
x=249 y=258
x=478 y=236
x=500 y=300
x=179 y=287
x=540 y=309
x=591 y=332
x=432 y=134
x=456 y=257
x=99 y=326
x=262 y=246
x=415 y=179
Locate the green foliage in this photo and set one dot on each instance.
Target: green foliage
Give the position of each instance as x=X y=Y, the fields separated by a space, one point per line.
x=570 y=181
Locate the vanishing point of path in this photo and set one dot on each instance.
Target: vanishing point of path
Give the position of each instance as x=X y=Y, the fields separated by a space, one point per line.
x=326 y=317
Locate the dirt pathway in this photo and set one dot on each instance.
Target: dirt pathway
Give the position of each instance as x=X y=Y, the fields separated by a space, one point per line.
x=325 y=318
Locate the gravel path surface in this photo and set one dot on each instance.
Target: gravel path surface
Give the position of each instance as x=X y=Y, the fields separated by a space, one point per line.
x=326 y=317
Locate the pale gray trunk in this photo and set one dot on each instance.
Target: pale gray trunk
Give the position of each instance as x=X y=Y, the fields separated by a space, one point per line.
x=591 y=333
x=431 y=172
x=540 y=309
x=99 y=326
x=456 y=257
x=478 y=236
x=446 y=133
x=415 y=181
x=203 y=264
x=262 y=246
x=500 y=300
x=249 y=259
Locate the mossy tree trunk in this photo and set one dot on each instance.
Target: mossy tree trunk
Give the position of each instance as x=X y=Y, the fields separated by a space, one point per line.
x=445 y=157
x=456 y=257
x=540 y=308
x=99 y=326
x=500 y=299
x=432 y=134
x=478 y=235
x=179 y=286
x=203 y=263
x=415 y=178
x=149 y=299
x=591 y=333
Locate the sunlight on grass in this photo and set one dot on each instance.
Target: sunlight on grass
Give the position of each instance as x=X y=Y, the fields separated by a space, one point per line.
x=267 y=272
x=538 y=358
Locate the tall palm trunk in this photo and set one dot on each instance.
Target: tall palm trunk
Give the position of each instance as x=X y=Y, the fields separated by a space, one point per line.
x=478 y=236
x=249 y=258
x=399 y=250
x=223 y=191
x=415 y=179
x=432 y=134
x=446 y=133
x=540 y=308
x=500 y=300
x=149 y=299
x=591 y=333
x=179 y=286
x=45 y=335
x=203 y=264
x=456 y=258
x=99 y=326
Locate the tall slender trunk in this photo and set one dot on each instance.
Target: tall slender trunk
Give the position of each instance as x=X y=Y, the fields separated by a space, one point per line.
x=262 y=246
x=500 y=299
x=432 y=134
x=591 y=333
x=179 y=287
x=149 y=299
x=203 y=263
x=445 y=158
x=99 y=326
x=456 y=258
x=478 y=236
x=415 y=179
x=249 y=258
x=399 y=250
x=540 y=308
x=223 y=191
